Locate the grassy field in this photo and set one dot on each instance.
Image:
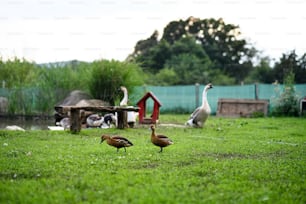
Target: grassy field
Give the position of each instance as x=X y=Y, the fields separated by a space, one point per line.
x=229 y=161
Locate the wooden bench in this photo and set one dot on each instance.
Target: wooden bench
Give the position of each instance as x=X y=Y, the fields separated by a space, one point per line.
x=75 y=116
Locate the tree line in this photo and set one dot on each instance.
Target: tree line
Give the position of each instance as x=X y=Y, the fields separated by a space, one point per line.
x=209 y=50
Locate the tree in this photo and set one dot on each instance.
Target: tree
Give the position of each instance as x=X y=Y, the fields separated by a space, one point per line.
x=288 y=63
x=164 y=77
x=143 y=46
x=211 y=39
x=219 y=40
x=300 y=72
x=262 y=73
x=154 y=59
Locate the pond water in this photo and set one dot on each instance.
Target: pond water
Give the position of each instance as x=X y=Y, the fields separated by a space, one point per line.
x=33 y=124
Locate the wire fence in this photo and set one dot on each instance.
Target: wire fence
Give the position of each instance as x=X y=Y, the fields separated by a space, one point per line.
x=179 y=99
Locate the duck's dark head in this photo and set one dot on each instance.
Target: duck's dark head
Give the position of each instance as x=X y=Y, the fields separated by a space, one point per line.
x=103 y=137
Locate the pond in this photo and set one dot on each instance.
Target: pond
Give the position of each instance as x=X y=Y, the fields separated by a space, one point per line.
x=29 y=124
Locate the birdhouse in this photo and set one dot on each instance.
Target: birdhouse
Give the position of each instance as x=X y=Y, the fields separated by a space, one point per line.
x=142 y=109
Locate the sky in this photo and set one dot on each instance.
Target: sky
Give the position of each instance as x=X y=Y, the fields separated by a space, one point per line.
x=45 y=31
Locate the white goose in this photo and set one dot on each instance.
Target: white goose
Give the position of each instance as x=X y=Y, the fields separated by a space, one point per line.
x=200 y=115
x=131 y=115
x=124 y=101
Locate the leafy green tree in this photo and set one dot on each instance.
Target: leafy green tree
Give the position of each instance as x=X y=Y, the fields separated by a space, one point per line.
x=217 y=77
x=143 y=46
x=154 y=59
x=164 y=77
x=286 y=65
x=262 y=73
x=189 y=61
x=300 y=72
x=188 y=45
x=189 y=68
x=291 y=63
x=219 y=41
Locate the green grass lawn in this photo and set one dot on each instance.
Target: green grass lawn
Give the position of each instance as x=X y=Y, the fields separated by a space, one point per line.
x=229 y=161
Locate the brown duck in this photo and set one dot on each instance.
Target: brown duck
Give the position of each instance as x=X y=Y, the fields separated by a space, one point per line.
x=116 y=141
x=160 y=140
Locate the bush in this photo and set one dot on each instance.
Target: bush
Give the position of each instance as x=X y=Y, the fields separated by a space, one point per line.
x=258 y=114
x=108 y=76
x=286 y=102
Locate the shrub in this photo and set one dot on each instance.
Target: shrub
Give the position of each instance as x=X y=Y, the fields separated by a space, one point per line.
x=286 y=102
x=108 y=76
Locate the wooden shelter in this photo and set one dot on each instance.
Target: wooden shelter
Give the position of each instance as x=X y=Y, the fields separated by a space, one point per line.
x=142 y=109
x=75 y=114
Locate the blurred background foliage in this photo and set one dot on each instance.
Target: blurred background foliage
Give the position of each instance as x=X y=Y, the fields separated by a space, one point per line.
x=188 y=52
x=210 y=50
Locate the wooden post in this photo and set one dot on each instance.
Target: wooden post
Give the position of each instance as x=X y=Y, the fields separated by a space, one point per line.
x=256 y=91
x=197 y=91
x=122 y=119
x=75 y=126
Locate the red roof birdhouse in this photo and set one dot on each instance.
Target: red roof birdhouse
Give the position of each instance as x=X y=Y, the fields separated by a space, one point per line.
x=142 y=109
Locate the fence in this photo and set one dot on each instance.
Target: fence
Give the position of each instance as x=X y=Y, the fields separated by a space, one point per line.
x=173 y=98
x=187 y=98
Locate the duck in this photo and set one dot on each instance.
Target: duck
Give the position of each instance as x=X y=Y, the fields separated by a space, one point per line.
x=124 y=100
x=116 y=141
x=160 y=140
x=199 y=116
x=94 y=120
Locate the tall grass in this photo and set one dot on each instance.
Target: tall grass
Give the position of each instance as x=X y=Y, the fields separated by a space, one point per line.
x=229 y=161
x=35 y=89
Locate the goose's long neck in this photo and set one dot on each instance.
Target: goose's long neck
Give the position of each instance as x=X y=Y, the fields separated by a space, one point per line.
x=125 y=98
x=204 y=97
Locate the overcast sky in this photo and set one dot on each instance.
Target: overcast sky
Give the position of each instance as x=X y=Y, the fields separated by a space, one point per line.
x=59 y=30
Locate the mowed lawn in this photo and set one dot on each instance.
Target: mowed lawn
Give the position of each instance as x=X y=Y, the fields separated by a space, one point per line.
x=230 y=160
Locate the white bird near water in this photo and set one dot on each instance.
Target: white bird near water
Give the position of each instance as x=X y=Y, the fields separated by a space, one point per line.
x=200 y=115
